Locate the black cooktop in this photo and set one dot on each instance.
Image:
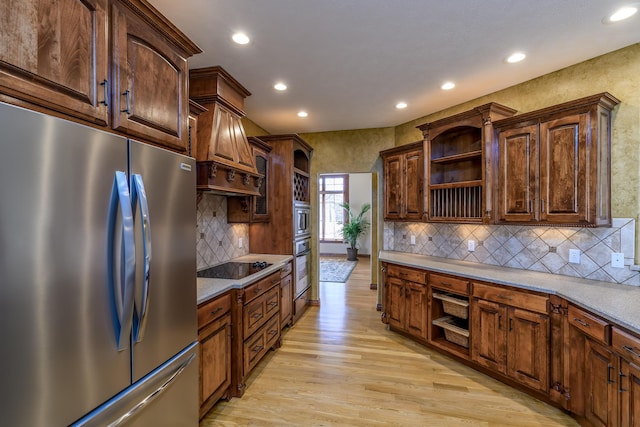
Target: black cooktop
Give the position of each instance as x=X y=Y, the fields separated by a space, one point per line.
x=233 y=270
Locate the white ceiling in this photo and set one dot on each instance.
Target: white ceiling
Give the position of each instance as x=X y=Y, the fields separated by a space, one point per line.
x=348 y=62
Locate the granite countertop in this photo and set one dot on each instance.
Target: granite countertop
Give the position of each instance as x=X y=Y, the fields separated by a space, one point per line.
x=617 y=303
x=209 y=288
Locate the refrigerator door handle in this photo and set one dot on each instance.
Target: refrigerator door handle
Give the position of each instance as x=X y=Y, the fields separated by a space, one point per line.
x=139 y=197
x=153 y=394
x=121 y=258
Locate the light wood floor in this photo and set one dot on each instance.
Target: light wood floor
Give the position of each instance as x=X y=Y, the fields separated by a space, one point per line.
x=339 y=366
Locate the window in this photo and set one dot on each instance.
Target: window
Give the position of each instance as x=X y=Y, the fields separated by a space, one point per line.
x=333 y=190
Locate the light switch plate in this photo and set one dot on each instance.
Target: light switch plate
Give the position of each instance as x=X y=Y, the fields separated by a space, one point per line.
x=617 y=260
x=574 y=256
x=413 y=240
x=240 y=242
x=471 y=245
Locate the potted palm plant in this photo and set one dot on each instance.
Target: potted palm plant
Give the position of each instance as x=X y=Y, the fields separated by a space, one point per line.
x=356 y=226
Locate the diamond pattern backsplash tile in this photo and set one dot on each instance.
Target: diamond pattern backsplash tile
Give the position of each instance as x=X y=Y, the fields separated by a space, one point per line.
x=543 y=249
x=217 y=241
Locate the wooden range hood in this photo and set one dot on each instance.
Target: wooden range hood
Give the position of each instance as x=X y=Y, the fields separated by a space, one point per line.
x=224 y=159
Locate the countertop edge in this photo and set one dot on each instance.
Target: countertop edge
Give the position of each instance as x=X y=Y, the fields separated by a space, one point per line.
x=618 y=303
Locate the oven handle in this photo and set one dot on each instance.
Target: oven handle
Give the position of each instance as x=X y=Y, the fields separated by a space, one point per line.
x=303 y=252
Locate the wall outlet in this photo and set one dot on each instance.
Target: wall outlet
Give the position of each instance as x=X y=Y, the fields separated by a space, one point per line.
x=471 y=245
x=617 y=260
x=240 y=242
x=413 y=240
x=574 y=256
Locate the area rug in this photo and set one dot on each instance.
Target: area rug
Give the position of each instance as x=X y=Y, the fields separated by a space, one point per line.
x=336 y=270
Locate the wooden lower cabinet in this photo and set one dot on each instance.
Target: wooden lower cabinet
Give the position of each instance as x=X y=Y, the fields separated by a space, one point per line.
x=511 y=340
x=406 y=301
x=555 y=350
x=286 y=296
x=601 y=389
x=214 y=336
x=256 y=327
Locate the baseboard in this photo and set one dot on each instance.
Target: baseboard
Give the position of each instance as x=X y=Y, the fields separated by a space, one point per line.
x=373 y=286
x=313 y=302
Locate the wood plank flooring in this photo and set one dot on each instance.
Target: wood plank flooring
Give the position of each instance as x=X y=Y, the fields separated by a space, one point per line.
x=339 y=366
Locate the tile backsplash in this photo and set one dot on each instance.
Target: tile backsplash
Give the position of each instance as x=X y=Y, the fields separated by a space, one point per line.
x=217 y=241
x=543 y=249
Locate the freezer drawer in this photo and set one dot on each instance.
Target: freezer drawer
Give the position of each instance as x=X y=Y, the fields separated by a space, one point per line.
x=167 y=397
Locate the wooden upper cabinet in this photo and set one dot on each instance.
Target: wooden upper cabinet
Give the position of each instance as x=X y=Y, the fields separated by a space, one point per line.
x=554 y=165
x=403 y=182
x=54 y=54
x=457 y=148
x=518 y=150
x=150 y=85
x=116 y=63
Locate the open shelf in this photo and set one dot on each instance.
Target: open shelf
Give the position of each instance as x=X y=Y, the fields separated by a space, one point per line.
x=449 y=321
x=458 y=157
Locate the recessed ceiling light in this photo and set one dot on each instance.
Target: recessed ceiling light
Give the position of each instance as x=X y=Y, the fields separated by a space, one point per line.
x=401 y=105
x=623 y=13
x=448 y=86
x=516 y=57
x=240 y=38
x=302 y=114
x=280 y=86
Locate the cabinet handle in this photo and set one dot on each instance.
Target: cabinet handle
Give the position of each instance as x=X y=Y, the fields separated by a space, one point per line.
x=582 y=322
x=383 y=269
x=510 y=324
x=216 y=311
x=273 y=282
x=620 y=389
x=256 y=290
x=631 y=350
x=499 y=321
x=402 y=274
x=127 y=99
x=257 y=348
x=272 y=304
x=542 y=205
x=507 y=297
x=105 y=91
x=445 y=284
x=609 y=368
x=272 y=332
x=256 y=316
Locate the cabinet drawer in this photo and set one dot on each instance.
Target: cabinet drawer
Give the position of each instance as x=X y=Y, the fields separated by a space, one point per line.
x=449 y=283
x=511 y=297
x=260 y=342
x=627 y=345
x=405 y=273
x=591 y=325
x=256 y=289
x=255 y=313
x=211 y=310
x=286 y=270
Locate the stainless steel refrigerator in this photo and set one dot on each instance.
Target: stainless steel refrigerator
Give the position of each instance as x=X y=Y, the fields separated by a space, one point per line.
x=97 y=278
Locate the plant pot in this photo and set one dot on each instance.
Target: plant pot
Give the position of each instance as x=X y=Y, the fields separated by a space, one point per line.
x=352 y=254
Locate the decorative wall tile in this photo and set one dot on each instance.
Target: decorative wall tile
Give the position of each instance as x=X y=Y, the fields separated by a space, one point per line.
x=219 y=241
x=534 y=248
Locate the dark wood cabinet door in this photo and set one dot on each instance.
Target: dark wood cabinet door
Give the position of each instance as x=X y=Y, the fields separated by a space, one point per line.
x=395 y=302
x=629 y=390
x=489 y=335
x=215 y=362
x=393 y=187
x=149 y=96
x=286 y=300
x=260 y=204
x=416 y=309
x=601 y=385
x=563 y=170
x=518 y=174
x=54 y=54
x=412 y=185
x=528 y=348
